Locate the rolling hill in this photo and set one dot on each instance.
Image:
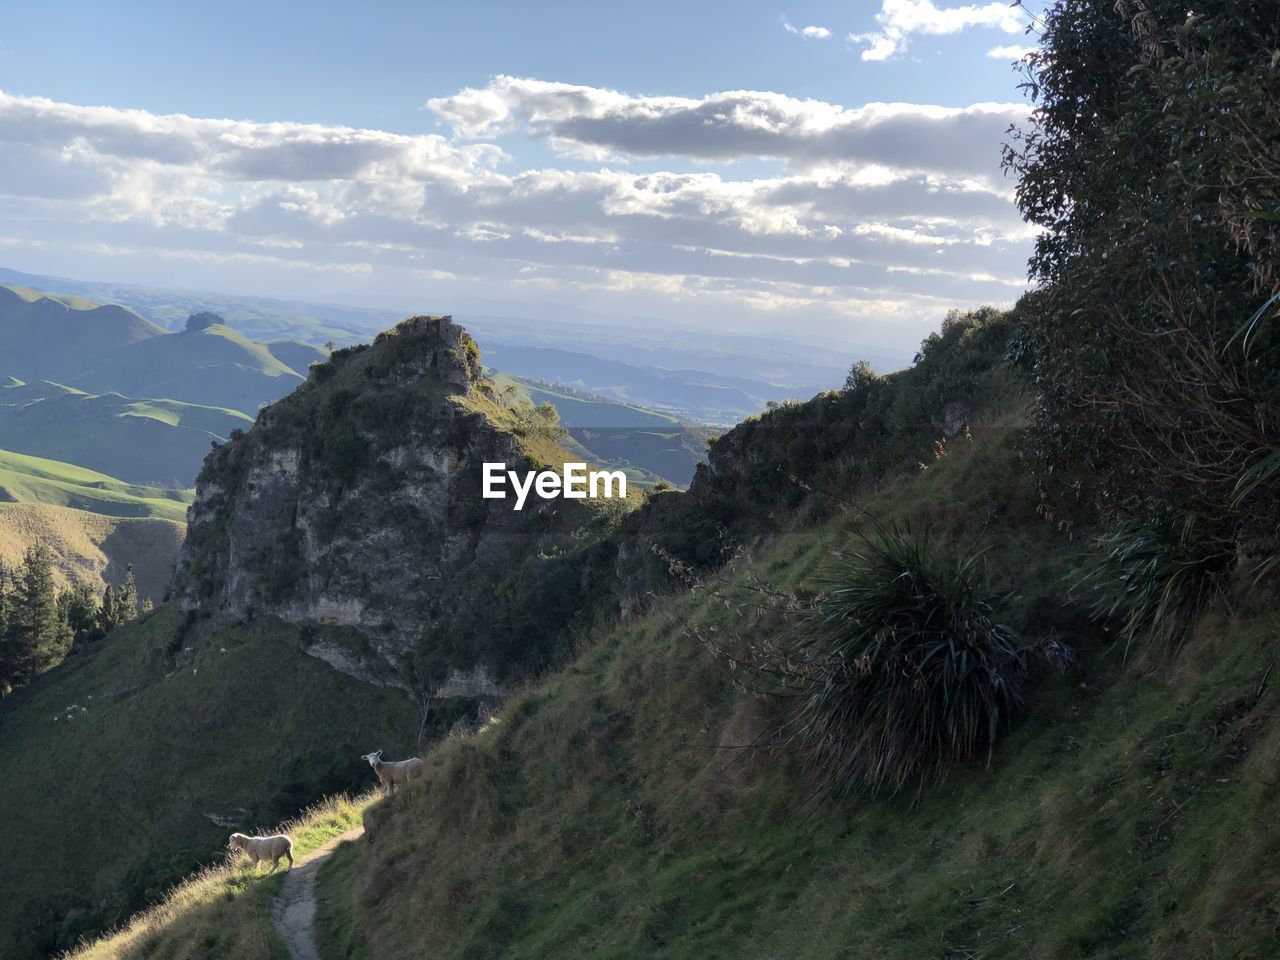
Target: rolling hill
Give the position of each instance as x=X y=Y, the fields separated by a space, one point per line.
x=26 y=479
x=101 y=348
x=93 y=548
x=159 y=442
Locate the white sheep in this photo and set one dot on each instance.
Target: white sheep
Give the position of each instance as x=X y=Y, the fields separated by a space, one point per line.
x=264 y=848
x=392 y=773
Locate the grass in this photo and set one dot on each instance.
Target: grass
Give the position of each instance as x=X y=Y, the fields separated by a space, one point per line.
x=178 y=734
x=93 y=548
x=225 y=909
x=1129 y=815
x=149 y=441
x=26 y=479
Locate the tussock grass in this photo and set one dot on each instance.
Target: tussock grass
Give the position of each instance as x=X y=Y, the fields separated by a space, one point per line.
x=225 y=909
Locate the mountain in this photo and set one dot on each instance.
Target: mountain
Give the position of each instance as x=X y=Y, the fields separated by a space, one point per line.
x=355 y=502
x=159 y=442
x=342 y=585
x=94 y=548
x=107 y=348
x=258 y=318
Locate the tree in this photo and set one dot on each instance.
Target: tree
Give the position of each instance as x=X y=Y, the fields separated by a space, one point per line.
x=127 y=599
x=8 y=650
x=1150 y=165
x=109 y=610
x=861 y=375
x=38 y=636
x=79 y=606
x=202 y=321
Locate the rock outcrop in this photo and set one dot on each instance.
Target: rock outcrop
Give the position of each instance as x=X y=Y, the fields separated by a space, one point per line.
x=355 y=502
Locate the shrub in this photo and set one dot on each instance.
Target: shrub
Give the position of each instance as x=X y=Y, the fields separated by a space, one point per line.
x=1159 y=576
x=900 y=668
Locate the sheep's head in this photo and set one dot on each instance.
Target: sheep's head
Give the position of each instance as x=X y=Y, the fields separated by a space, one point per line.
x=373 y=758
x=236 y=841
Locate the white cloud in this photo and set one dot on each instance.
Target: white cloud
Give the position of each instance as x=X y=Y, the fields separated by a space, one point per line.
x=1011 y=52
x=899 y=19
x=880 y=211
x=813 y=33
x=593 y=121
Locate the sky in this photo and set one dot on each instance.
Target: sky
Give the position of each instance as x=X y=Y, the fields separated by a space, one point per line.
x=830 y=170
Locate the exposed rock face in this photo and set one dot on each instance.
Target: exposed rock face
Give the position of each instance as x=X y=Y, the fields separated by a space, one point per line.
x=355 y=502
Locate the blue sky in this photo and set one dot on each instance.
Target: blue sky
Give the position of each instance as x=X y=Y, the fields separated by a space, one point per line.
x=524 y=153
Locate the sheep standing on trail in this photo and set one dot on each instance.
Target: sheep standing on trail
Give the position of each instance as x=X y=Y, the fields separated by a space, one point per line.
x=392 y=773
x=264 y=848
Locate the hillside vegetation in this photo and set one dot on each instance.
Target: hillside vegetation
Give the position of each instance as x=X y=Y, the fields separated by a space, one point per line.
x=141 y=441
x=973 y=660
x=166 y=739
x=93 y=548
x=641 y=805
x=25 y=479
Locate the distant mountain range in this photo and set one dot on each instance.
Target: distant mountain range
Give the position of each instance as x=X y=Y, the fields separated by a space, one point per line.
x=713 y=379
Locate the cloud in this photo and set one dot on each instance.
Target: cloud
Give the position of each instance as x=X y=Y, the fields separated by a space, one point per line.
x=813 y=33
x=874 y=214
x=596 y=122
x=898 y=20
x=1011 y=52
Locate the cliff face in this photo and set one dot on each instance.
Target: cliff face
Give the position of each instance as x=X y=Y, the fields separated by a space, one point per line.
x=355 y=502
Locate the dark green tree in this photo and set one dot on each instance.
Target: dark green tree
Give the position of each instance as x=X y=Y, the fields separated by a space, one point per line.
x=80 y=608
x=127 y=599
x=38 y=633
x=109 y=610
x=1151 y=163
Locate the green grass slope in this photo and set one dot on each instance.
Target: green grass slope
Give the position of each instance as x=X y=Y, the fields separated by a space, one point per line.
x=215 y=366
x=103 y=348
x=140 y=441
x=1131 y=814
x=27 y=479
x=176 y=737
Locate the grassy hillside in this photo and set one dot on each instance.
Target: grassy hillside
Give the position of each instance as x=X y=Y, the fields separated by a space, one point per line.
x=140 y=441
x=103 y=348
x=25 y=479
x=636 y=814
x=177 y=736
x=225 y=909
x=93 y=548
x=215 y=366
x=639 y=806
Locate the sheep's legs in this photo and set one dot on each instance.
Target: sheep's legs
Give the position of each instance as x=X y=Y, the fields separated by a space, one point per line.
x=274 y=863
x=289 y=854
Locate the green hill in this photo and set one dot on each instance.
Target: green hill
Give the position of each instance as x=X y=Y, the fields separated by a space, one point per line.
x=26 y=479
x=139 y=441
x=154 y=720
x=93 y=548
x=102 y=348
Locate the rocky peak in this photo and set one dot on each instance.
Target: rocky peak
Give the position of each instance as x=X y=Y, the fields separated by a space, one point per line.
x=354 y=505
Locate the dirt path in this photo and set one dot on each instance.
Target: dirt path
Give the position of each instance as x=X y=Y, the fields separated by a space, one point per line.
x=294 y=912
